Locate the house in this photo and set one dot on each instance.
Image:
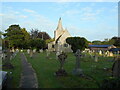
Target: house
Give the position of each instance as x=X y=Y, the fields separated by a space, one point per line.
x=100 y=47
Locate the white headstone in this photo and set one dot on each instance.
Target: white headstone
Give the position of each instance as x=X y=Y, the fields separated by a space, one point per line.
x=34 y=51
x=28 y=51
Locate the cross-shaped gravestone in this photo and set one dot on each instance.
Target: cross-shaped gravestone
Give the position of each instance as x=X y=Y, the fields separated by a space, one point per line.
x=78 y=71
x=61 y=71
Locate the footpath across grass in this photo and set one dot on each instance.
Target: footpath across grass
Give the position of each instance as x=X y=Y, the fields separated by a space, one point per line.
x=16 y=72
x=94 y=72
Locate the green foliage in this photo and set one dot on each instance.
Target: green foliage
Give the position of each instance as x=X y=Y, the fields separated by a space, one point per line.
x=17 y=36
x=77 y=43
x=44 y=36
x=37 y=43
x=116 y=41
x=111 y=83
x=97 y=42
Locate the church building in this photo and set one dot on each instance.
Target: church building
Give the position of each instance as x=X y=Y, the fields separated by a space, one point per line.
x=60 y=36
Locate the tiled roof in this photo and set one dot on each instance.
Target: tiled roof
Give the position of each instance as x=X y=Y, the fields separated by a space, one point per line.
x=99 y=46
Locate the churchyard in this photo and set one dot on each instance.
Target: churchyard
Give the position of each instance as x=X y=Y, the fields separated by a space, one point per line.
x=45 y=68
x=94 y=72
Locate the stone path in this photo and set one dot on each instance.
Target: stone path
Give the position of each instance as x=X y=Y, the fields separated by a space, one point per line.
x=28 y=77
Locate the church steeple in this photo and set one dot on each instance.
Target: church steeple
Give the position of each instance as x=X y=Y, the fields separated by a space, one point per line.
x=59 y=27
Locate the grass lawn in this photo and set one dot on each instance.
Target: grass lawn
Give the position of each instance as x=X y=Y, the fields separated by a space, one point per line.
x=93 y=71
x=16 y=72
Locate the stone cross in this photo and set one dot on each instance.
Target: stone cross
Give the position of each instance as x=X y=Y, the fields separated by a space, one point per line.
x=61 y=71
x=78 y=70
x=61 y=59
x=78 y=55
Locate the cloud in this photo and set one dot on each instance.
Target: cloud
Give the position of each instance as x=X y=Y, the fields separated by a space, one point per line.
x=28 y=10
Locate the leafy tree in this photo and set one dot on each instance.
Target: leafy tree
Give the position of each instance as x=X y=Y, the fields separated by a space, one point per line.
x=16 y=36
x=37 y=43
x=77 y=43
x=96 y=42
x=44 y=36
x=116 y=41
x=34 y=33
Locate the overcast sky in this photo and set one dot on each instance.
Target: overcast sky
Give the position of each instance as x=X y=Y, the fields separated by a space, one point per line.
x=92 y=20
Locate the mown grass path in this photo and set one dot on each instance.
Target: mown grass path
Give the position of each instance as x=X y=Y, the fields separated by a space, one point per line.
x=28 y=76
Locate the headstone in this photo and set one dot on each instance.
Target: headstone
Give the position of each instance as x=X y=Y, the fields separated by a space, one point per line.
x=100 y=52
x=111 y=54
x=78 y=71
x=96 y=58
x=116 y=68
x=48 y=53
x=61 y=71
x=41 y=50
x=28 y=51
x=31 y=53
x=34 y=50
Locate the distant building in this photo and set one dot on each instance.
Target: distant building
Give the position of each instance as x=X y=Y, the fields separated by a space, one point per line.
x=115 y=50
x=101 y=47
x=60 y=35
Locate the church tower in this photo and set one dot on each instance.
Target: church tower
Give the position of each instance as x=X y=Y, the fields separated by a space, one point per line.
x=59 y=30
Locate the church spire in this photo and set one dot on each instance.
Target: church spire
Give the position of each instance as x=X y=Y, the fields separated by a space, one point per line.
x=59 y=27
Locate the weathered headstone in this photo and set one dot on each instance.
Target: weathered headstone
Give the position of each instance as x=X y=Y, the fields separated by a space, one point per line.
x=31 y=53
x=116 y=68
x=41 y=50
x=96 y=58
x=34 y=50
x=78 y=71
x=48 y=53
x=28 y=51
x=61 y=71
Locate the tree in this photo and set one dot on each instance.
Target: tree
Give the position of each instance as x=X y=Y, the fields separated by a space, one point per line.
x=77 y=43
x=44 y=36
x=116 y=41
x=16 y=36
x=34 y=33
x=37 y=43
x=96 y=42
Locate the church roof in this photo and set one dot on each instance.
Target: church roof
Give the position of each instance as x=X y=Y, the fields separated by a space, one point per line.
x=59 y=27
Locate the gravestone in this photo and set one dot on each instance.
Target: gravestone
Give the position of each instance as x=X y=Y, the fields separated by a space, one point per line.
x=116 y=68
x=61 y=71
x=48 y=53
x=96 y=58
x=28 y=51
x=31 y=53
x=40 y=50
x=111 y=54
x=34 y=50
x=78 y=71
x=100 y=52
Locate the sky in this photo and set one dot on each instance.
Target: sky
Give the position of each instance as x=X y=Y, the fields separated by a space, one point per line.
x=92 y=20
